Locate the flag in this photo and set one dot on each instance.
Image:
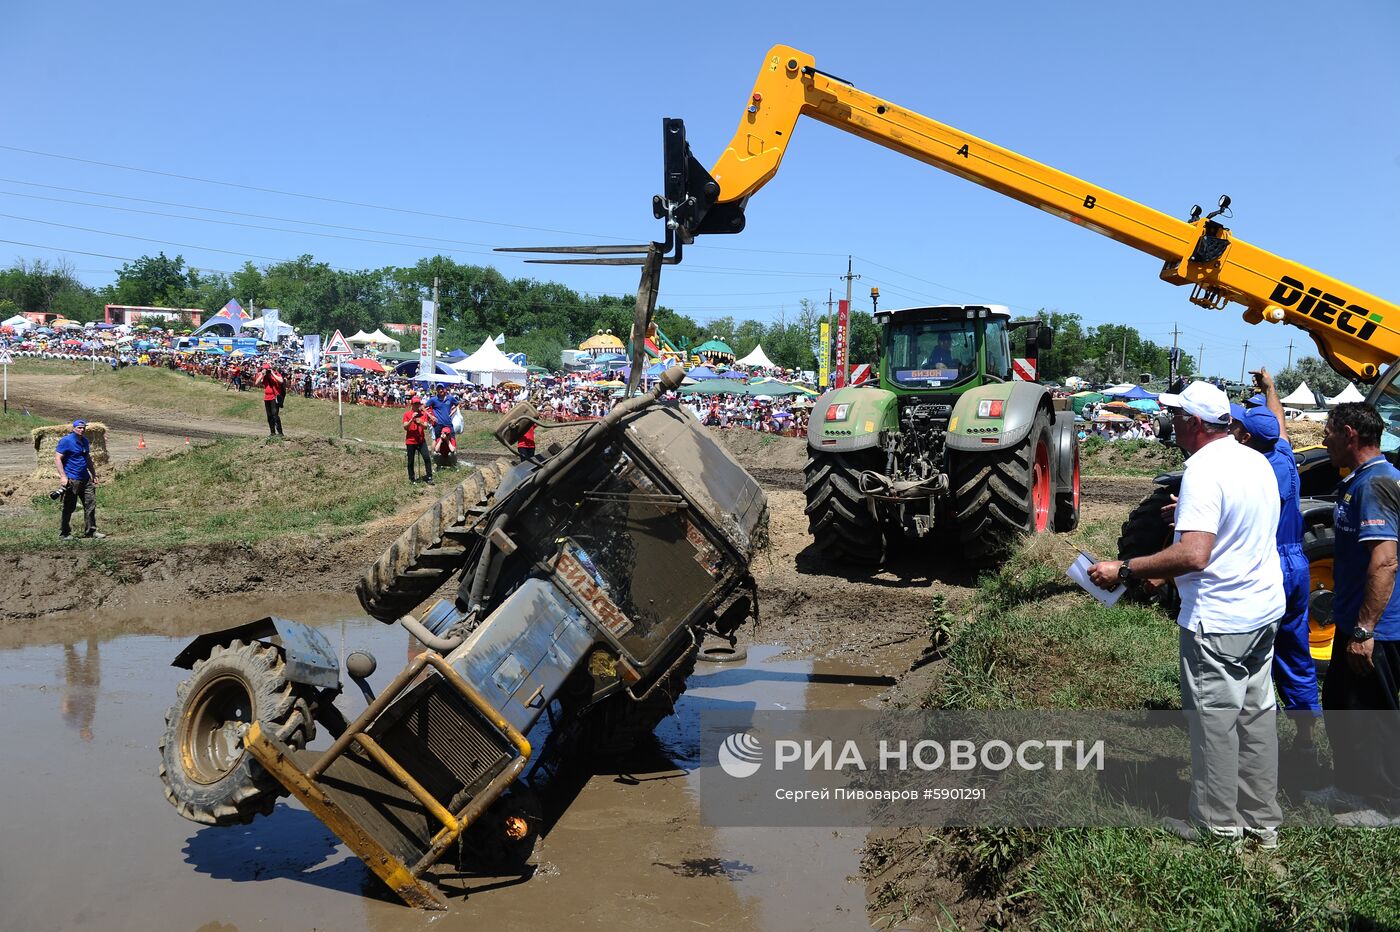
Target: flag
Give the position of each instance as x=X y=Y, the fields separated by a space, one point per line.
x=500 y=338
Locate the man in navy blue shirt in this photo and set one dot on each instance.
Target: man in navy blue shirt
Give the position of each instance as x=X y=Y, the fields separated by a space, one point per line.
x=442 y=405
x=1360 y=692
x=73 y=457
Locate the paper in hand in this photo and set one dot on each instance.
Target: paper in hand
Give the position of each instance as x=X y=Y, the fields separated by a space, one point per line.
x=1079 y=572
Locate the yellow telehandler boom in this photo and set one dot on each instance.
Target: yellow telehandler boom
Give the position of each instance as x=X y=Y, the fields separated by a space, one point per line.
x=1354 y=331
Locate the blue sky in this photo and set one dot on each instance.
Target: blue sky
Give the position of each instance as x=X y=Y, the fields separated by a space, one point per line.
x=523 y=124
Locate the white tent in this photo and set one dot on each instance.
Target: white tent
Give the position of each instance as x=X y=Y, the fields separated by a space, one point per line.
x=757 y=358
x=1301 y=397
x=284 y=329
x=1349 y=394
x=361 y=338
x=18 y=322
x=379 y=336
x=489 y=366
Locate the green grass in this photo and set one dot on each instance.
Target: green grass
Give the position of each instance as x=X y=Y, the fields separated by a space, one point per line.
x=1035 y=642
x=16 y=425
x=1099 y=457
x=200 y=397
x=234 y=491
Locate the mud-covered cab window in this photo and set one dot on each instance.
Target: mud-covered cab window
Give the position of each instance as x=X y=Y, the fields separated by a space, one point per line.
x=932 y=353
x=1388 y=407
x=998 y=354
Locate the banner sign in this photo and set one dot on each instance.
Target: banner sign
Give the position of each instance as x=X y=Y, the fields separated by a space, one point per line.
x=843 y=341
x=311 y=349
x=271 y=327
x=427 y=341
x=824 y=358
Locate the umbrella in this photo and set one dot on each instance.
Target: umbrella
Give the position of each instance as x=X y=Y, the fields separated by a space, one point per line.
x=367 y=364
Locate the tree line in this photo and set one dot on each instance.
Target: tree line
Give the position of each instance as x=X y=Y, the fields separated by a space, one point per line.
x=538 y=318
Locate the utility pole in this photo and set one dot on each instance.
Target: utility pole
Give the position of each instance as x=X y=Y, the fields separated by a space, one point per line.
x=1290 y=355
x=1125 y=354
x=1200 y=360
x=845 y=352
x=830 y=348
x=1243 y=359
x=1171 y=374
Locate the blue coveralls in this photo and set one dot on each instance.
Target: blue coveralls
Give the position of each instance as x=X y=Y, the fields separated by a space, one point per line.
x=1294 y=672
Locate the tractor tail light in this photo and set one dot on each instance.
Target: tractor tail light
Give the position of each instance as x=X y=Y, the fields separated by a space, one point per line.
x=990 y=407
x=837 y=412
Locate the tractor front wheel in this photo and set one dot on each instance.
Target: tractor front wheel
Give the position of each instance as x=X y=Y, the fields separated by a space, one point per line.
x=838 y=516
x=208 y=775
x=1002 y=494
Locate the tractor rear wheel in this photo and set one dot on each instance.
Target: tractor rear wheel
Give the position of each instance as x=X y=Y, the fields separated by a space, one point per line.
x=1067 y=503
x=430 y=551
x=1003 y=494
x=208 y=775
x=838 y=517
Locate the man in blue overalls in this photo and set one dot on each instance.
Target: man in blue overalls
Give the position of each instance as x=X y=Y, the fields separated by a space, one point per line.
x=1295 y=675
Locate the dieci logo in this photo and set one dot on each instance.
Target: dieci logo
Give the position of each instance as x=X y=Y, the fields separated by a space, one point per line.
x=1328 y=308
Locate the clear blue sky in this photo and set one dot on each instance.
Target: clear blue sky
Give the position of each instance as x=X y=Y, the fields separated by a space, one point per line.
x=539 y=123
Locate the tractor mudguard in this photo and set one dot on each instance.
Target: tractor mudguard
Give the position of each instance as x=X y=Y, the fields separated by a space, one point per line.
x=871 y=411
x=1020 y=403
x=1065 y=440
x=310 y=659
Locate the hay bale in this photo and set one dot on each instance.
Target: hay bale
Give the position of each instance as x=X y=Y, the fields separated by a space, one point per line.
x=1305 y=433
x=46 y=439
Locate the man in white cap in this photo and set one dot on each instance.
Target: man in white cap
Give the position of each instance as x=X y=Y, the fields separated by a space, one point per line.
x=1227 y=570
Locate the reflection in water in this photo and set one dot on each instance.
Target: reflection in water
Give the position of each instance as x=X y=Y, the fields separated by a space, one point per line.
x=82 y=677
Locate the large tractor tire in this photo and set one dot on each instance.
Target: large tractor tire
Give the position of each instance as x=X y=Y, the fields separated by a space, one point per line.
x=838 y=517
x=619 y=723
x=432 y=549
x=1002 y=494
x=1146 y=532
x=1318 y=543
x=208 y=775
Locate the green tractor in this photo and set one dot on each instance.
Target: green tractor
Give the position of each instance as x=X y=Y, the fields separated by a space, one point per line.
x=946 y=440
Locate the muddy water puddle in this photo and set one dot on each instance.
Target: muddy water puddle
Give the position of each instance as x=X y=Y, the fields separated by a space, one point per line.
x=90 y=841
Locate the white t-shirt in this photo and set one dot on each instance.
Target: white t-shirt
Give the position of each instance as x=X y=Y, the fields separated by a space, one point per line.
x=1229 y=490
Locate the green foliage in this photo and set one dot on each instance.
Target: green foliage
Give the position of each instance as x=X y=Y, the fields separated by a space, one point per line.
x=1319 y=376
x=1098 y=354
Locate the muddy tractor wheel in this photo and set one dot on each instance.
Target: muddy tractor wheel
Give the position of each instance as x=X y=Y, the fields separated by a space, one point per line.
x=1318 y=540
x=208 y=775
x=1146 y=532
x=1003 y=494
x=427 y=554
x=838 y=517
x=504 y=837
x=619 y=723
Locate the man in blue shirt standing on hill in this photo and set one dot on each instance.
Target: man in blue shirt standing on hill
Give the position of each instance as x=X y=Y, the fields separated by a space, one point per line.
x=73 y=457
x=1361 y=692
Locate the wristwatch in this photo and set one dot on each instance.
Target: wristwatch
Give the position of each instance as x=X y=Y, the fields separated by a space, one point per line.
x=1125 y=571
x=1362 y=634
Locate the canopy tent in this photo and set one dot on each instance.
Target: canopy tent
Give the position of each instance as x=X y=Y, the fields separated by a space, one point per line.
x=230 y=316
x=489 y=366
x=284 y=329
x=438 y=378
x=381 y=338
x=369 y=365
x=18 y=322
x=1348 y=395
x=409 y=369
x=1113 y=390
x=1083 y=399
x=1133 y=393
x=456 y=355
x=757 y=358
x=1301 y=397
x=702 y=373
x=360 y=338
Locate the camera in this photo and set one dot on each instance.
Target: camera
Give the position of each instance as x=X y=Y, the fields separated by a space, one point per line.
x=56 y=494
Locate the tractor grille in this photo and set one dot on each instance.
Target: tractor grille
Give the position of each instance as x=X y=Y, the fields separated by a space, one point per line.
x=443 y=742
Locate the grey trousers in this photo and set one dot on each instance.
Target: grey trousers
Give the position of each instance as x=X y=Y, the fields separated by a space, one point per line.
x=1227 y=693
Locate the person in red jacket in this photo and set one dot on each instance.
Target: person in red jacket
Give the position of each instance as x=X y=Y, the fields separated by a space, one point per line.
x=416 y=423
x=526 y=446
x=271 y=381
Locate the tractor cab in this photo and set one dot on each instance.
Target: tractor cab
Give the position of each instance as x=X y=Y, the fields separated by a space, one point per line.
x=945 y=347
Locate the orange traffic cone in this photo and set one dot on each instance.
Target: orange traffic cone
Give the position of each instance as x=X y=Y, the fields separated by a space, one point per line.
x=141 y=444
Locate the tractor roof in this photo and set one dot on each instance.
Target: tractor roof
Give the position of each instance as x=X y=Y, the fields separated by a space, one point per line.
x=947 y=312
